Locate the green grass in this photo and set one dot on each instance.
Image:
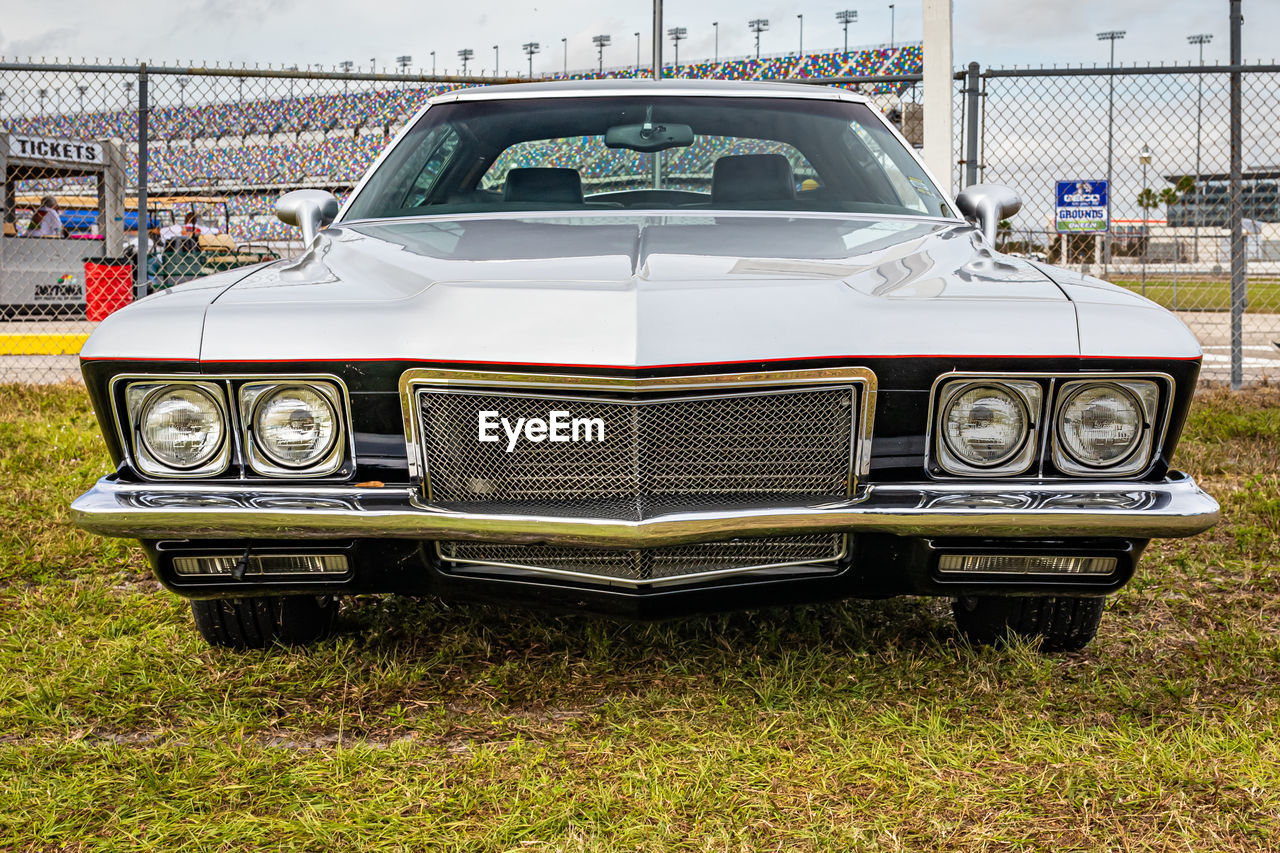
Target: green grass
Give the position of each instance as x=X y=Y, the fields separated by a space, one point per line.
x=1205 y=295
x=858 y=725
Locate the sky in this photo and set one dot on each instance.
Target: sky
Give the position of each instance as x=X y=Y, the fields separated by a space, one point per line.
x=325 y=32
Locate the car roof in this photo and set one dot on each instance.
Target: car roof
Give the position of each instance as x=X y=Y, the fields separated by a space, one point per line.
x=588 y=88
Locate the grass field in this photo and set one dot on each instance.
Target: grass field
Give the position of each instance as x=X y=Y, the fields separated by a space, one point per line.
x=852 y=726
x=1204 y=295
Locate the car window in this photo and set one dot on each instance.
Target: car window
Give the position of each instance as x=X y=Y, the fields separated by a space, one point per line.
x=648 y=152
x=911 y=191
x=605 y=169
x=419 y=173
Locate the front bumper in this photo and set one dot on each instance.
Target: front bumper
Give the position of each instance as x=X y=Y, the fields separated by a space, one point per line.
x=1173 y=507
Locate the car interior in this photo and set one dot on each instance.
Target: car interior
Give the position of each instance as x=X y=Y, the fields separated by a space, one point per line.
x=593 y=153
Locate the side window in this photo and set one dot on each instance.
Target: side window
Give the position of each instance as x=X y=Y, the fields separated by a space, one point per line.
x=909 y=191
x=437 y=152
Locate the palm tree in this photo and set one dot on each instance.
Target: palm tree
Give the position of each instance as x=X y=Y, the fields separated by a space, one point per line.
x=1148 y=200
x=1169 y=196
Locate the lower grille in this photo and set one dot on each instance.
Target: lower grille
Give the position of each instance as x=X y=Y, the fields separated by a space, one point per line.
x=816 y=553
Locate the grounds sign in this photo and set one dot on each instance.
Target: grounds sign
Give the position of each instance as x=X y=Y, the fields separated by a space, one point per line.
x=1082 y=207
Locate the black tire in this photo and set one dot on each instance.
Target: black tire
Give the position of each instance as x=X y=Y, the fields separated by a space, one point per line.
x=1059 y=624
x=256 y=623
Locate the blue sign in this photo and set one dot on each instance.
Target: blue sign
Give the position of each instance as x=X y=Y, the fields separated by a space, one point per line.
x=1083 y=207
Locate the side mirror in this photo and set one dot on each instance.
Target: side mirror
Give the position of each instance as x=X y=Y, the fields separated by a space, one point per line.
x=985 y=205
x=309 y=210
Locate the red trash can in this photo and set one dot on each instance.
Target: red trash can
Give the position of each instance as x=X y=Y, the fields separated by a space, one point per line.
x=108 y=286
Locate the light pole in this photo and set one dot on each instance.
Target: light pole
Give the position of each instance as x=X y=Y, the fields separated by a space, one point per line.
x=601 y=42
x=373 y=65
x=1144 y=157
x=495 y=60
x=564 y=43
x=800 y=52
x=1200 y=39
x=1112 y=36
x=845 y=18
x=677 y=34
x=465 y=55
x=892 y=21
x=757 y=26
x=81 y=90
x=530 y=48
x=716 y=26
x=637 y=54
x=403 y=62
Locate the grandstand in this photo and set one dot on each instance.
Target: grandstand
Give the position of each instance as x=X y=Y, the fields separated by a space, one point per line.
x=252 y=150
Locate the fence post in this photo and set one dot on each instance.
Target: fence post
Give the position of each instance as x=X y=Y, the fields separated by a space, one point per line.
x=143 y=220
x=971 y=127
x=1236 y=207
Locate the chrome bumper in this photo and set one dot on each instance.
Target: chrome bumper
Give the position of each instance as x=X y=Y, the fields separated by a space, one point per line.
x=1174 y=507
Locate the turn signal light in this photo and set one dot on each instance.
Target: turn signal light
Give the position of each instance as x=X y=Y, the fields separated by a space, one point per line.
x=263 y=564
x=1024 y=564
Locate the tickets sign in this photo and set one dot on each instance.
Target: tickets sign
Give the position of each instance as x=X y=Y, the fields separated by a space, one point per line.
x=61 y=150
x=1083 y=207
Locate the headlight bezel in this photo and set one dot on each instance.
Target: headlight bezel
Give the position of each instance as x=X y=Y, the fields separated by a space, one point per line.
x=140 y=395
x=1144 y=391
x=1026 y=392
x=126 y=390
x=251 y=395
x=1155 y=390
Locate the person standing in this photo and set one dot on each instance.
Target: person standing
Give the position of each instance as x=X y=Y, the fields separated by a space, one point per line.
x=46 y=222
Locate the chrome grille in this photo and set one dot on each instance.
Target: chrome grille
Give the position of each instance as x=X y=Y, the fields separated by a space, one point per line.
x=674 y=564
x=697 y=450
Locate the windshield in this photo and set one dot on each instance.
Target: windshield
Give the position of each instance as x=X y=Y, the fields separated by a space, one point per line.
x=648 y=152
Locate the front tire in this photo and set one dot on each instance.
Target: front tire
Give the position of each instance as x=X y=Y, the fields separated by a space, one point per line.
x=1057 y=624
x=257 y=623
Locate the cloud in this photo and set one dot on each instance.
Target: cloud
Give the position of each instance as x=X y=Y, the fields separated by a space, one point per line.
x=60 y=41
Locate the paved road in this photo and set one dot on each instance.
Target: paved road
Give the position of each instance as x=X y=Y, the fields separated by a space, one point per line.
x=1260 y=354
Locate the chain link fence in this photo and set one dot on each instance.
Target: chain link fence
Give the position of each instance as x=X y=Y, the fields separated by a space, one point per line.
x=1162 y=139
x=222 y=145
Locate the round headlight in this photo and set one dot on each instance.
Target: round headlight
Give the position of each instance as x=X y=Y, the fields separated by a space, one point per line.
x=181 y=427
x=295 y=427
x=1100 y=425
x=985 y=426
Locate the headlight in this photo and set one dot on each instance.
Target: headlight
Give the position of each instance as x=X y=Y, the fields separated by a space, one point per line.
x=985 y=425
x=181 y=427
x=1100 y=425
x=295 y=426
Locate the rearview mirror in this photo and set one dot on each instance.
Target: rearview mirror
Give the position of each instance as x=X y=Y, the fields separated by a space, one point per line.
x=987 y=204
x=309 y=210
x=650 y=136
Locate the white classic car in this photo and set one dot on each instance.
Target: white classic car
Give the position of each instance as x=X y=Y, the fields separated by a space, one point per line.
x=649 y=349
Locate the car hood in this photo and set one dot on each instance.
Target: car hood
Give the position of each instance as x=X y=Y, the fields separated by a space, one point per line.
x=629 y=290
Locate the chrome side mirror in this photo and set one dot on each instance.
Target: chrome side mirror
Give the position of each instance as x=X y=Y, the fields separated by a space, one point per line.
x=985 y=205
x=309 y=210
